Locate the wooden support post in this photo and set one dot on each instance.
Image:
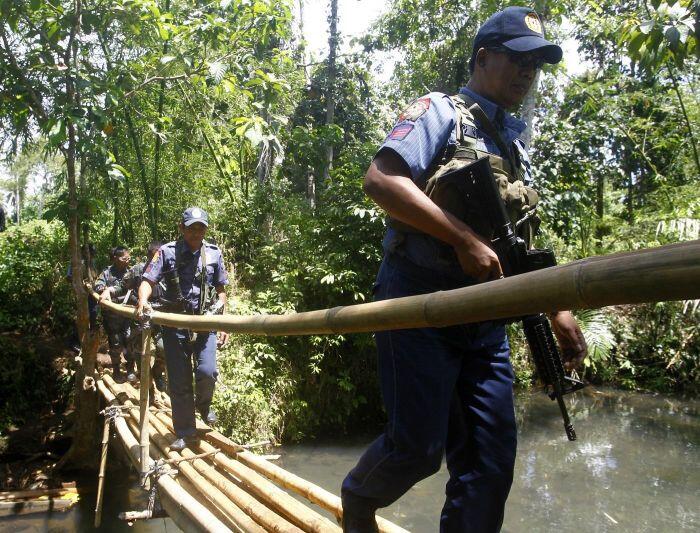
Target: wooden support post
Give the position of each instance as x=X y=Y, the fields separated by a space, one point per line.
x=143 y=398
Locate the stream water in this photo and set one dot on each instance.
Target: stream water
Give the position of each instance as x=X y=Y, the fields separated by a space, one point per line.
x=635 y=467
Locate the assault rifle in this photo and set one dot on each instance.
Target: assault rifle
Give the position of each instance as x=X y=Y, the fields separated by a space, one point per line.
x=516 y=259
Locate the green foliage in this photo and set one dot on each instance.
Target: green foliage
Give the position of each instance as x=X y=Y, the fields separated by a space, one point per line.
x=658 y=347
x=33 y=287
x=30 y=382
x=663 y=33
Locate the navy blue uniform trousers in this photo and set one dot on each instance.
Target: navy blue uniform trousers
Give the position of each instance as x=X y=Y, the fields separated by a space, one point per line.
x=446 y=391
x=179 y=352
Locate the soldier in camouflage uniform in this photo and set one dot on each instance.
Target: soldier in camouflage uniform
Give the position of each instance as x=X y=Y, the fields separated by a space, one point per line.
x=128 y=291
x=118 y=328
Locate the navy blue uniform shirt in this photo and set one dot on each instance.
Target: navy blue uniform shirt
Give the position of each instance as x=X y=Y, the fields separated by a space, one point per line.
x=190 y=269
x=420 y=135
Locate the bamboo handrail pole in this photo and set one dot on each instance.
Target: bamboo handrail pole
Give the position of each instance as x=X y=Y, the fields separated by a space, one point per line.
x=668 y=272
x=235 y=517
x=143 y=396
x=189 y=514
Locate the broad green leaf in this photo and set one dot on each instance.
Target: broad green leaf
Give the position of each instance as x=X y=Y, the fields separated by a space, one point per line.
x=646 y=26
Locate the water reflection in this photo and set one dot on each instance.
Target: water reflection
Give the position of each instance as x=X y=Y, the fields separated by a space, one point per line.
x=634 y=468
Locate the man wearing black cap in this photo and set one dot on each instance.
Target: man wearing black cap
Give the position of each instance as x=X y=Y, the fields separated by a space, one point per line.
x=191 y=267
x=449 y=390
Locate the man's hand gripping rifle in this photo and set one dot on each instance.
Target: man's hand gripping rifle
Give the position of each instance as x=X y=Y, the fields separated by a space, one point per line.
x=516 y=259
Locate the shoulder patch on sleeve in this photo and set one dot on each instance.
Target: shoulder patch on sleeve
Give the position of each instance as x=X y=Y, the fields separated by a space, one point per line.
x=399 y=132
x=416 y=110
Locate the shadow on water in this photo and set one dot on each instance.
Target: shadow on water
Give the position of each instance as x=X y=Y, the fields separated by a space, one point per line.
x=634 y=468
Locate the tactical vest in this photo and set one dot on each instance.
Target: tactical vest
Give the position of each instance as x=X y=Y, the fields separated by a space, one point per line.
x=520 y=199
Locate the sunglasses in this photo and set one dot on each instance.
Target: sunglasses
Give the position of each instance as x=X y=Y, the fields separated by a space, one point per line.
x=523 y=60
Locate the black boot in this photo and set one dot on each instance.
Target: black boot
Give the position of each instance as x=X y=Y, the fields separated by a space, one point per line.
x=209 y=417
x=117 y=373
x=358 y=517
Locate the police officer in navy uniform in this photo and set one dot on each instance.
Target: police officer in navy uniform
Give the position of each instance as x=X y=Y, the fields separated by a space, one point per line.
x=199 y=268
x=450 y=390
x=118 y=328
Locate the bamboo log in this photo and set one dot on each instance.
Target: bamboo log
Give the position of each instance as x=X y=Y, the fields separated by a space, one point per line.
x=35 y=493
x=143 y=397
x=22 y=507
x=185 y=510
x=194 y=488
x=244 y=501
x=101 y=475
x=132 y=516
x=657 y=274
x=235 y=518
x=313 y=493
x=264 y=490
x=252 y=507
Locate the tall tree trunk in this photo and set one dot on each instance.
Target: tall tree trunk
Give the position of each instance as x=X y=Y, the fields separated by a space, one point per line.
x=691 y=135
x=136 y=142
x=18 y=203
x=333 y=39
x=599 y=206
x=82 y=450
x=129 y=227
x=159 y=142
x=310 y=177
x=302 y=46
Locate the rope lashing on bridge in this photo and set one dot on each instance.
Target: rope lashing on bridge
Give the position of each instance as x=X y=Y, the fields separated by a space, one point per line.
x=235 y=481
x=668 y=272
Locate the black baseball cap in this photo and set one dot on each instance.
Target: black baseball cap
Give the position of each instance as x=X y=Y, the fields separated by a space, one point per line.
x=518 y=29
x=195 y=214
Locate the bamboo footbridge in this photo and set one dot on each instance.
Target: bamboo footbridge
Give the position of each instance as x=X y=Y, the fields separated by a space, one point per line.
x=221 y=486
